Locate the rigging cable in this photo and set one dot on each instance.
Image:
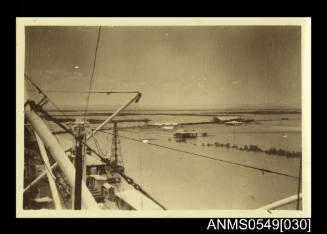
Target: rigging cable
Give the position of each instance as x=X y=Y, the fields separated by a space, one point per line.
x=208 y=157
x=140 y=159
x=92 y=75
x=97 y=145
x=70 y=91
x=57 y=182
x=186 y=152
x=58 y=185
x=128 y=179
x=45 y=95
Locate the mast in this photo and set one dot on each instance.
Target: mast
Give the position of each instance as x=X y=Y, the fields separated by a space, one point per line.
x=115 y=154
x=58 y=154
x=115 y=141
x=80 y=136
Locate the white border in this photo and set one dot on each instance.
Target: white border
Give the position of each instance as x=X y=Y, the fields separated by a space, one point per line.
x=305 y=24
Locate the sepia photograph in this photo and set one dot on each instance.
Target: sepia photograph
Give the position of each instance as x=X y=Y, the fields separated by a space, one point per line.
x=163 y=117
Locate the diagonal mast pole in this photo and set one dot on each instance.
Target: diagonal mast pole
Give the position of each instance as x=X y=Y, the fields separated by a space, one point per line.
x=136 y=99
x=52 y=183
x=58 y=154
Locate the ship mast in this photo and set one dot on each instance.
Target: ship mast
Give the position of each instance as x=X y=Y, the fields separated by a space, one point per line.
x=80 y=164
x=115 y=143
x=115 y=149
x=115 y=154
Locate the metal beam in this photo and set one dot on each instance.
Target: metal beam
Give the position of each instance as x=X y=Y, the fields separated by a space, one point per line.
x=38 y=179
x=59 y=156
x=136 y=99
x=79 y=171
x=52 y=183
x=282 y=202
x=299 y=186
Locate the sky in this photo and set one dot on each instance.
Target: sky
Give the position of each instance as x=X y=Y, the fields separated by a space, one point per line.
x=173 y=67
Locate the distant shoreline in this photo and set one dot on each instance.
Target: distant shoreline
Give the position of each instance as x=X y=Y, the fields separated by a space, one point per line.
x=202 y=113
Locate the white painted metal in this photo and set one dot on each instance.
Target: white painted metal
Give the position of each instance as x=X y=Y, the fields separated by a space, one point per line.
x=39 y=177
x=112 y=116
x=52 y=183
x=281 y=203
x=59 y=155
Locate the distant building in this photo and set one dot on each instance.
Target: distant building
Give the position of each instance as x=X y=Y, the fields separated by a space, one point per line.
x=185 y=134
x=234 y=123
x=165 y=124
x=224 y=119
x=168 y=127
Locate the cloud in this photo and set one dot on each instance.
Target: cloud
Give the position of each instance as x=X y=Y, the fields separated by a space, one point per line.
x=51 y=71
x=78 y=73
x=236 y=82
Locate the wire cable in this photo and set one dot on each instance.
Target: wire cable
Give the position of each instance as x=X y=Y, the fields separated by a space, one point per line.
x=45 y=95
x=128 y=179
x=106 y=92
x=208 y=157
x=92 y=75
x=170 y=148
x=56 y=182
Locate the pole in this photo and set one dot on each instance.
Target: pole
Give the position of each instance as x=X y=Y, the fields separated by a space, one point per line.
x=136 y=98
x=299 y=186
x=115 y=142
x=282 y=202
x=79 y=171
x=59 y=156
x=39 y=177
x=52 y=184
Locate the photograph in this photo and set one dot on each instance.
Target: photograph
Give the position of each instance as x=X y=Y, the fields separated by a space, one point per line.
x=174 y=117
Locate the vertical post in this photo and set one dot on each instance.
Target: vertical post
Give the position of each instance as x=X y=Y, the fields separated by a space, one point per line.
x=115 y=142
x=79 y=170
x=84 y=161
x=58 y=154
x=30 y=194
x=299 y=186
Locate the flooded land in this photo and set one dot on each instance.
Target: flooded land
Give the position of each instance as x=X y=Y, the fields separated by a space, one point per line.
x=184 y=181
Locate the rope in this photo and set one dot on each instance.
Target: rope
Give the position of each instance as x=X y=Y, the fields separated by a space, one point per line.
x=208 y=157
x=97 y=145
x=70 y=91
x=128 y=179
x=140 y=162
x=92 y=75
x=45 y=95
x=56 y=182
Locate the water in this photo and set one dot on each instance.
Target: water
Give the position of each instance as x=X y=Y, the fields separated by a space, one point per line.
x=181 y=181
